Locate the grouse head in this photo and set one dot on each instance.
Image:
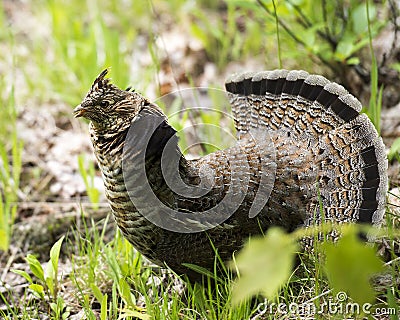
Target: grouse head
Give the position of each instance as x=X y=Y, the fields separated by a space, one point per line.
x=106 y=105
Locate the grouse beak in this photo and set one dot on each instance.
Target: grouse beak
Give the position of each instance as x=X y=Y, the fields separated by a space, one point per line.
x=79 y=111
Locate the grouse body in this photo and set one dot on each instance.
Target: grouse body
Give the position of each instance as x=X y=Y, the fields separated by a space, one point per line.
x=301 y=141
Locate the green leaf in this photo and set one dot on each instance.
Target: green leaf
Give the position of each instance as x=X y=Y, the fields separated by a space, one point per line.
x=125 y=313
x=344 y=48
x=308 y=36
x=245 y=4
x=103 y=309
x=199 y=270
x=23 y=274
x=35 y=266
x=349 y=266
x=97 y=292
x=37 y=289
x=125 y=292
x=52 y=266
x=394 y=149
x=4 y=240
x=54 y=307
x=265 y=264
x=392 y=303
x=353 y=61
x=7 y=214
x=55 y=254
x=359 y=17
x=50 y=283
x=199 y=33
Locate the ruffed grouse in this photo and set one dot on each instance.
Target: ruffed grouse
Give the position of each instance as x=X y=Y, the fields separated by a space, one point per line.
x=301 y=141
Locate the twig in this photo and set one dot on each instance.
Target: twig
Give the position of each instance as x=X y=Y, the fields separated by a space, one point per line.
x=392 y=261
x=277 y=34
x=307 y=24
x=295 y=38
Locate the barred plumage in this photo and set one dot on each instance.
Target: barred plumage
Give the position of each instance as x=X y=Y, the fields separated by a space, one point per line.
x=347 y=150
x=297 y=134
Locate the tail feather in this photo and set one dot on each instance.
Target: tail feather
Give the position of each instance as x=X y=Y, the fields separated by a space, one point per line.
x=349 y=154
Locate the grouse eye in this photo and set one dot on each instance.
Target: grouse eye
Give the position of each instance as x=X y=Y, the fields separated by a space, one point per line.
x=104 y=103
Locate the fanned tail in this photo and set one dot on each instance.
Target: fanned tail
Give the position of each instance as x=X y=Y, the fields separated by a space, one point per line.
x=349 y=155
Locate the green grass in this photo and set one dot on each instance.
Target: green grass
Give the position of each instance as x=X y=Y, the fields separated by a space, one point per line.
x=88 y=178
x=109 y=279
x=10 y=167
